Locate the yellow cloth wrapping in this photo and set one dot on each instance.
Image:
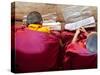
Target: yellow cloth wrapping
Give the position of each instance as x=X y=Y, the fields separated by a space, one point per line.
x=38 y=27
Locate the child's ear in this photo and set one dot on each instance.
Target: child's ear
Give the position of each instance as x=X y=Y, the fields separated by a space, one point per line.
x=41 y=22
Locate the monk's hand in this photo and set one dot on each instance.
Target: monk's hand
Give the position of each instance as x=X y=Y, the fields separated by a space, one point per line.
x=83 y=30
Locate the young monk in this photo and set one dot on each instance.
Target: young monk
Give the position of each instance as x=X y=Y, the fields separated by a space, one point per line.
x=36 y=49
x=81 y=53
x=85 y=41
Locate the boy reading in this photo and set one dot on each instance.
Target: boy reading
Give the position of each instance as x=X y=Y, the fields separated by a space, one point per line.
x=81 y=53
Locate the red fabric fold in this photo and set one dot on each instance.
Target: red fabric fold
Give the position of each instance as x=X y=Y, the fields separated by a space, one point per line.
x=35 y=51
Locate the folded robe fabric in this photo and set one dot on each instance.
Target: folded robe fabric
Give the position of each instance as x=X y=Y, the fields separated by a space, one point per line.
x=35 y=51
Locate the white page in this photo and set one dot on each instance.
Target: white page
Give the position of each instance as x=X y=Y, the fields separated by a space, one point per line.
x=76 y=25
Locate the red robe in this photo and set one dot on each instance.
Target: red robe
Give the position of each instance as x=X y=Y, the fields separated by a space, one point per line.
x=78 y=56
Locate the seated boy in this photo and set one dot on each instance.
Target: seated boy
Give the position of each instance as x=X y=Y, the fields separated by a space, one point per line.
x=40 y=50
x=82 y=51
x=85 y=43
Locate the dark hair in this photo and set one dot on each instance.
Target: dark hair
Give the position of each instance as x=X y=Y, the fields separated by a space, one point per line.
x=34 y=18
